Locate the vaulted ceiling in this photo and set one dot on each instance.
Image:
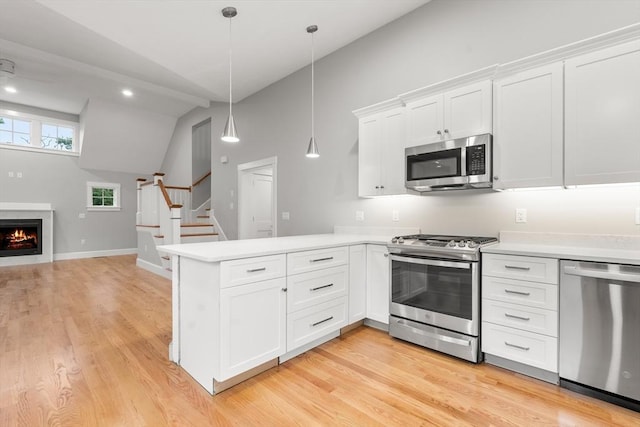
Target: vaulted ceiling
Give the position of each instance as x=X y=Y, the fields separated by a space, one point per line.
x=173 y=54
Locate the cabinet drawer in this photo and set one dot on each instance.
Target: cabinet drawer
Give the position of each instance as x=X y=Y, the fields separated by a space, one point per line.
x=314 y=322
x=249 y=270
x=531 y=294
x=314 y=287
x=534 y=269
x=529 y=319
x=531 y=349
x=301 y=262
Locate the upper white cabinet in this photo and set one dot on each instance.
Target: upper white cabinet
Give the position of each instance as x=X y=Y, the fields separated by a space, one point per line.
x=528 y=137
x=602 y=116
x=382 y=136
x=457 y=113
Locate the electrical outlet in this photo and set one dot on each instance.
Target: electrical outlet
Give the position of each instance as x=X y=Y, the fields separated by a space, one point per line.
x=359 y=215
x=638 y=215
x=82 y=215
x=10 y=174
x=286 y=216
x=19 y=174
x=395 y=215
x=521 y=215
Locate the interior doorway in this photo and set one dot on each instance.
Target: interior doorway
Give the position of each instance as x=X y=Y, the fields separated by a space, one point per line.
x=201 y=166
x=257 y=184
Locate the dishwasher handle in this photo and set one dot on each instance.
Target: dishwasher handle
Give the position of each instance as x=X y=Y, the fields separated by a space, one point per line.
x=631 y=275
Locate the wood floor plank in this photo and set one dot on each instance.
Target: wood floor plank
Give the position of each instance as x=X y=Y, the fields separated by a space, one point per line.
x=84 y=342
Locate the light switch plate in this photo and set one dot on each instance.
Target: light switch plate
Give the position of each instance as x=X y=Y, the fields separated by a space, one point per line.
x=521 y=215
x=285 y=216
x=395 y=215
x=359 y=215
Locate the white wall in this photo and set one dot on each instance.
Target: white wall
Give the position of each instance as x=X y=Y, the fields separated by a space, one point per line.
x=440 y=40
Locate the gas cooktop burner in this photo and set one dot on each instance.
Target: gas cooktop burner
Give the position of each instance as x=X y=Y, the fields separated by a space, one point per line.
x=441 y=246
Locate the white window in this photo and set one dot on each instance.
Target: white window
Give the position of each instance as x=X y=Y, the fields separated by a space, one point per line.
x=103 y=196
x=32 y=132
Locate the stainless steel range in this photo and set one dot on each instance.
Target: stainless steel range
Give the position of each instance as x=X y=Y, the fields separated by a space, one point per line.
x=435 y=292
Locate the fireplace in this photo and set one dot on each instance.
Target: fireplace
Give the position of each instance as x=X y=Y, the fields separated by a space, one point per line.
x=20 y=237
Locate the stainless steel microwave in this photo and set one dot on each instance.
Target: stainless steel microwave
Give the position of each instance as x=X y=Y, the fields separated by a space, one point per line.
x=455 y=164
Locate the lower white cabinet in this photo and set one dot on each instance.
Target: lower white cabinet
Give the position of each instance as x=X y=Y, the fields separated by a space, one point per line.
x=357 y=283
x=252 y=326
x=314 y=322
x=378 y=283
x=520 y=313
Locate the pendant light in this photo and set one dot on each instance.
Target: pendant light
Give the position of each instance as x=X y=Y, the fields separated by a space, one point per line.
x=230 y=134
x=312 y=151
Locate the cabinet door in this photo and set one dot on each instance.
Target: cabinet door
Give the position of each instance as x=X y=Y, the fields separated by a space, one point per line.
x=424 y=121
x=392 y=145
x=357 y=283
x=369 y=134
x=252 y=326
x=527 y=140
x=467 y=111
x=602 y=91
x=378 y=283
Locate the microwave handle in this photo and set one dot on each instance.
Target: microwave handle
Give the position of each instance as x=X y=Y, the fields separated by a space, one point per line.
x=463 y=161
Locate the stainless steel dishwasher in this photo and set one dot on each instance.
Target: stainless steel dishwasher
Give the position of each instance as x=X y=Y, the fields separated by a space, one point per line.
x=600 y=331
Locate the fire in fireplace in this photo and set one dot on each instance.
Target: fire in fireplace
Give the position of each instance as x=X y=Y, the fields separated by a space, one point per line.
x=20 y=237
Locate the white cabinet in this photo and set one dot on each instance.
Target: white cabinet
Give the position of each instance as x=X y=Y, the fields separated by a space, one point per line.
x=520 y=313
x=528 y=133
x=357 y=283
x=317 y=292
x=381 y=144
x=252 y=325
x=460 y=112
x=602 y=97
x=378 y=283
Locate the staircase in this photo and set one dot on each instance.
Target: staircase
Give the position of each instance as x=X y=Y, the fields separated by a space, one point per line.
x=164 y=217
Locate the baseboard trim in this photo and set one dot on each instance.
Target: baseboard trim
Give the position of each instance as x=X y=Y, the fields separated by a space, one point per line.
x=153 y=268
x=94 y=254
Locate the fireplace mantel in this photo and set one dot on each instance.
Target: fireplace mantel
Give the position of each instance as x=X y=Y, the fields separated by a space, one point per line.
x=10 y=206
x=44 y=211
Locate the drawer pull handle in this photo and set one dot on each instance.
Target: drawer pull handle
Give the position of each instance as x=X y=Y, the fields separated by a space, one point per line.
x=507 y=343
x=322 y=321
x=517 y=267
x=513 y=316
x=321 y=287
x=509 y=291
x=255 y=270
x=329 y=258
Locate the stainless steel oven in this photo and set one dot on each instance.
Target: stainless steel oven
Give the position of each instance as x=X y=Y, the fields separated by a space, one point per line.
x=435 y=292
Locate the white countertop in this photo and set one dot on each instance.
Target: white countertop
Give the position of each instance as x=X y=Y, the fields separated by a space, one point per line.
x=235 y=249
x=597 y=248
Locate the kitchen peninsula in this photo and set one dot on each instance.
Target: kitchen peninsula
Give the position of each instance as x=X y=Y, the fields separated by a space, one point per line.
x=243 y=306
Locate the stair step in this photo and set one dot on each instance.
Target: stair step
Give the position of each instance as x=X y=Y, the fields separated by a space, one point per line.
x=195 y=224
x=198 y=234
x=159 y=236
x=148 y=226
x=166 y=257
x=203 y=216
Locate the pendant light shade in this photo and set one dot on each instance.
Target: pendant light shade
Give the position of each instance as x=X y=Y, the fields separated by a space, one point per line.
x=230 y=133
x=312 y=150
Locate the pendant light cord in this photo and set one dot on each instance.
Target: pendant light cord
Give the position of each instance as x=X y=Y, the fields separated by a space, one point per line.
x=313 y=133
x=230 y=73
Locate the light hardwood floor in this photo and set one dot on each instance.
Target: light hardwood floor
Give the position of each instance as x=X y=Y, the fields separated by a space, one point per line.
x=84 y=342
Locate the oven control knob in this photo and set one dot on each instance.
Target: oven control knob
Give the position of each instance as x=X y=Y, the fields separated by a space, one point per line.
x=461 y=244
x=400 y=240
x=394 y=240
x=452 y=243
x=472 y=244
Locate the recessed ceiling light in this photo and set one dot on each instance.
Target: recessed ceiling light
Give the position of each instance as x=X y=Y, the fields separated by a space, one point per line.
x=10 y=89
x=127 y=93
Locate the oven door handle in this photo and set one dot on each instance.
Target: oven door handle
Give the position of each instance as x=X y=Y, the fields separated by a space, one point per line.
x=434 y=262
